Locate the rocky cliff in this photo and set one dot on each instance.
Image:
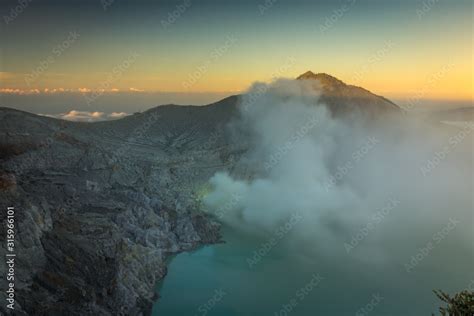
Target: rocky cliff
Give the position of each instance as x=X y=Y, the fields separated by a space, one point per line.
x=99 y=207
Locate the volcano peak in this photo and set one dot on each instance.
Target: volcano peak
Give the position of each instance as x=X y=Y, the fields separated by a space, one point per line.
x=324 y=78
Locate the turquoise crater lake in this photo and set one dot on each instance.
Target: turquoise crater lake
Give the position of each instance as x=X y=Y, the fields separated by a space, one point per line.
x=218 y=280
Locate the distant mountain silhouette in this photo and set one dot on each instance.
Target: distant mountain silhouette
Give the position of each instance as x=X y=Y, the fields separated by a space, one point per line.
x=459 y=114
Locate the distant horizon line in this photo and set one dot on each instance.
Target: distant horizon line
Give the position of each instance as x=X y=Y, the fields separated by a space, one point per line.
x=132 y=90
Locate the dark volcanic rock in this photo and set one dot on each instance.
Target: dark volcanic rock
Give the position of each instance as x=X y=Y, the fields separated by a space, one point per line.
x=100 y=207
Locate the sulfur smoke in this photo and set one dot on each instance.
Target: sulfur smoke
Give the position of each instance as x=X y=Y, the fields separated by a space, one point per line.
x=371 y=190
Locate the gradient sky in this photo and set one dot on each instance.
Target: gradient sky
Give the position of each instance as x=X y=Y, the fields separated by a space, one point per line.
x=393 y=48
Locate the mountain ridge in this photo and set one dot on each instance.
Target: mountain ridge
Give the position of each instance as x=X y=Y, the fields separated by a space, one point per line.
x=341 y=98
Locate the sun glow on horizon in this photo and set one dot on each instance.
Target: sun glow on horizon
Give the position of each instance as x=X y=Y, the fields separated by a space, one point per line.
x=401 y=55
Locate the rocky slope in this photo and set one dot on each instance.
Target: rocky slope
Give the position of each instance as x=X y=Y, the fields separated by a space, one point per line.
x=101 y=206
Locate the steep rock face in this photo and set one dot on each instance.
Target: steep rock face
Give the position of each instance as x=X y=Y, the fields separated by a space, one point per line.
x=100 y=206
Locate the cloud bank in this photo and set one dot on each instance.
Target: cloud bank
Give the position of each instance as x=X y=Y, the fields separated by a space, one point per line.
x=86 y=116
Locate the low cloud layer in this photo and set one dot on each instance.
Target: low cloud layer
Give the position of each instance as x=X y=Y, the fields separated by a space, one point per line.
x=85 y=116
x=125 y=101
x=366 y=192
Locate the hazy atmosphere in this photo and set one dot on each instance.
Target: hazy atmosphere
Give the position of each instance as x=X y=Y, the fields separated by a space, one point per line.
x=236 y=158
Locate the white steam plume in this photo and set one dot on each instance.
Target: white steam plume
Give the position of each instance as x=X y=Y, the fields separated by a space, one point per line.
x=371 y=190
